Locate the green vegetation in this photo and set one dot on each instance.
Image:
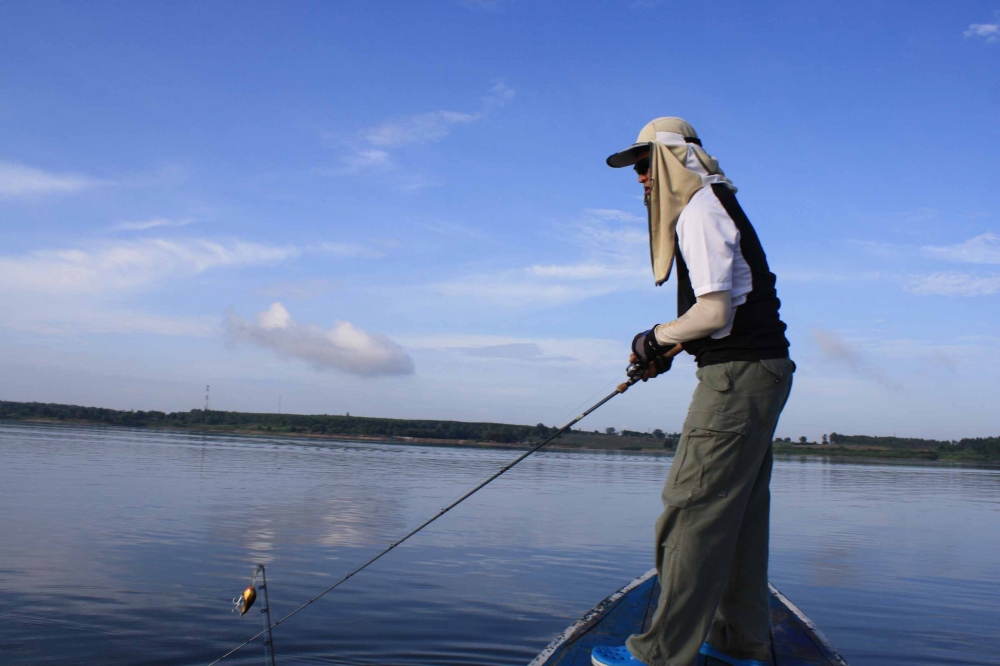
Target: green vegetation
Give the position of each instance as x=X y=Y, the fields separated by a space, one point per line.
x=911 y=448
x=460 y=432
x=335 y=426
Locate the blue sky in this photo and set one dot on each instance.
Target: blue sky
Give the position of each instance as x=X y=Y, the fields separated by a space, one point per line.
x=402 y=209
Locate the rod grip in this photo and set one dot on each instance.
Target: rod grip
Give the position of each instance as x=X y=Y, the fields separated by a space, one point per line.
x=675 y=350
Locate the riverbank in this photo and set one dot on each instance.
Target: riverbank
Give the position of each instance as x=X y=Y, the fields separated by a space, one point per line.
x=481 y=435
x=869 y=453
x=574 y=442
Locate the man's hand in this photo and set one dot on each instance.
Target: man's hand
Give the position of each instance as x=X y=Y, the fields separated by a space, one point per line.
x=657 y=366
x=645 y=347
x=654 y=358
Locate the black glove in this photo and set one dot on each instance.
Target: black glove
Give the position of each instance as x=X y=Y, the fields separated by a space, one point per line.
x=649 y=369
x=659 y=365
x=645 y=346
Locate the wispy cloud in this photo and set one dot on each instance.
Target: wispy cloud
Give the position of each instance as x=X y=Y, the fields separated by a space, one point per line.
x=585 y=271
x=153 y=223
x=18 y=181
x=344 y=347
x=433 y=125
x=982 y=249
x=374 y=146
x=841 y=353
x=346 y=250
x=613 y=250
x=366 y=158
x=530 y=352
x=130 y=265
x=987 y=31
x=89 y=288
x=954 y=284
x=588 y=352
x=300 y=290
x=452 y=229
x=421 y=128
x=517 y=289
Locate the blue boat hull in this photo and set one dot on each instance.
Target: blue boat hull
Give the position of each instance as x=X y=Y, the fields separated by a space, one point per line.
x=795 y=639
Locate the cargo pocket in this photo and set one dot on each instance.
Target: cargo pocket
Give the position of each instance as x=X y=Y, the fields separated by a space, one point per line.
x=779 y=367
x=707 y=456
x=716 y=376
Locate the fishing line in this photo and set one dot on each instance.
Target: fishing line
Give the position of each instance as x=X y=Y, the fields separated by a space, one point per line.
x=634 y=376
x=577 y=406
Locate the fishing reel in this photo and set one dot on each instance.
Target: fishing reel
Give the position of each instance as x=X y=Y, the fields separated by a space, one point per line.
x=635 y=370
x=657 y=366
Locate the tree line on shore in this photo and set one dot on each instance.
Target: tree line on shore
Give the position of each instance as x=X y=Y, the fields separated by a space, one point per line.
x=317 y=424
x=985 y=447
x=504 y=433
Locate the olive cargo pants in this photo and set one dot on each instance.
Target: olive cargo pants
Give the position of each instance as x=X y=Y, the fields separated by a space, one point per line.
x=712 y=538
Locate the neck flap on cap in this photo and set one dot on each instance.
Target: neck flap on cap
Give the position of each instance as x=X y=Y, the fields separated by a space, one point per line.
x=679 y=167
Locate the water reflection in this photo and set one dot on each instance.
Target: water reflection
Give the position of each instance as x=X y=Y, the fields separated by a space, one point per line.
x=126 y=546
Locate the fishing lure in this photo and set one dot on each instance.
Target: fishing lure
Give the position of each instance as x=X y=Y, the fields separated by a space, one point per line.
x=245 y=600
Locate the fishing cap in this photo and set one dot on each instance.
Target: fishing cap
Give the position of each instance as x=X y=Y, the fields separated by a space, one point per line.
x=678 y=167
x=647 y=135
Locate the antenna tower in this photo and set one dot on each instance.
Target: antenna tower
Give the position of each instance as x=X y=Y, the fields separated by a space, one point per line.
x=206 y=397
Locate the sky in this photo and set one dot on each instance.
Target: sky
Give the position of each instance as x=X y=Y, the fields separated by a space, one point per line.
x=402 y=209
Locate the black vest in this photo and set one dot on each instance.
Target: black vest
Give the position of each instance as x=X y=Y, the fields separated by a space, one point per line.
x=758 y=332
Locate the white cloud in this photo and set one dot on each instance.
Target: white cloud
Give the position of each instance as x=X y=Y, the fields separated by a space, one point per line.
x=421 y=128
x=375 y=144
x=988 y=31
x=88 y=289
x=499 y=95
x=954 y=284
x=366 y=158
x=575 y=352
x=344 y=347
x=586 y=271
x=514 y=351
x=18 y=181
x=517 y=289
x=614 y=214
x=124 y=267
x=613 y=247
x=302 y=289
x=153 y=223
x=346 y=250
x=983 y=249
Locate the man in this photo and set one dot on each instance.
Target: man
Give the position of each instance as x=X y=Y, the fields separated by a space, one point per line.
x=712 y=538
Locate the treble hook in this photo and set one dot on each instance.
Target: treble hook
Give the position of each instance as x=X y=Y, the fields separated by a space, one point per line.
x=243 y=602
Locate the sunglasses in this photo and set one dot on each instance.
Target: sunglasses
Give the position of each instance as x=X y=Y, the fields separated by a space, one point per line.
x=642 y=166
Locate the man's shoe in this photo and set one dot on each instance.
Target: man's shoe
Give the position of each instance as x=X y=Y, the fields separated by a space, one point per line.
x=613 y=656
x=710 y=651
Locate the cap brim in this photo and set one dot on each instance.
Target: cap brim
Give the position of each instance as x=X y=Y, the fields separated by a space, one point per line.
x=629 y=156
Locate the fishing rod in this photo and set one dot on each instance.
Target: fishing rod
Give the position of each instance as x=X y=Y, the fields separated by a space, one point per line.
x=635 y=373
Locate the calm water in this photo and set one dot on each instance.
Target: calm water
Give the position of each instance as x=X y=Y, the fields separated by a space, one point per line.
x=126 y=547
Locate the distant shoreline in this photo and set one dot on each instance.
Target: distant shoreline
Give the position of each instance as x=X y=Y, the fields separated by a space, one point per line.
x=781 y=449
x=403 y=441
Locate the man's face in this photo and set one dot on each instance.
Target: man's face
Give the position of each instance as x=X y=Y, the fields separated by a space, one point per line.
x=644 y=178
